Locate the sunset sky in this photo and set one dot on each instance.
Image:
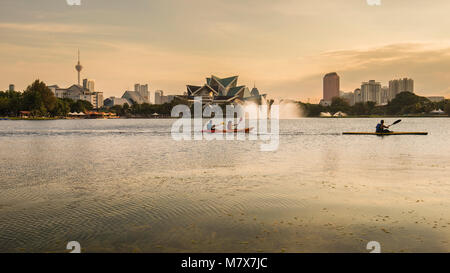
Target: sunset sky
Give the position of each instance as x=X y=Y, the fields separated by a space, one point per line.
x=285 y=46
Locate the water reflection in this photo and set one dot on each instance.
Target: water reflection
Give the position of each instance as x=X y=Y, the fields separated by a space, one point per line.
x=126 y=186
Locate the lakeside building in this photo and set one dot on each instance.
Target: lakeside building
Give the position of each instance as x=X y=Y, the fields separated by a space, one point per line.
x=221 y=91
x=331 y=87
x=112 y=101
x=140 y=95
x=400 y=85
x=77 y=92
x=161 y=99
x=133 y=97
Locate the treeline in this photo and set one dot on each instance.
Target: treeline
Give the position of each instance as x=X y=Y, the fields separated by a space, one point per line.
x=40 y=101
x=144 y=110
x=405 y=103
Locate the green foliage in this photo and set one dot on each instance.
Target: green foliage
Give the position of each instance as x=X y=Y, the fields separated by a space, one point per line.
x=10 y=103
x=80 y=106
x=313 y=110
x=61 y=109
x=39 y=99
x=409 y=103
x=404 y=103
x=447 y=107
x=145 y=109
x=339 y=104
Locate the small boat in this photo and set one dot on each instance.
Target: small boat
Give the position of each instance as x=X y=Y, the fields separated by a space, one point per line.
x=246 y=130
x=386 y=134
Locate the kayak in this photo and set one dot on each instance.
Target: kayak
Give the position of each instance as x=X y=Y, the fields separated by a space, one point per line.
x=246 y=130
x=386 y=134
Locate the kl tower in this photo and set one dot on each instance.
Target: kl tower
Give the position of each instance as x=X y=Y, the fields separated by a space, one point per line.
x=79 y=67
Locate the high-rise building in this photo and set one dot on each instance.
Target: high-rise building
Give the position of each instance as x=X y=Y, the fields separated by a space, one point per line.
x=384 y=95
x=357 y=96
x=349 y=97
x=159 y=96
x=400 y=85
x=370 y=91
x=89 y=85
x=12 y=87
x=331 y=86
x=143 y=91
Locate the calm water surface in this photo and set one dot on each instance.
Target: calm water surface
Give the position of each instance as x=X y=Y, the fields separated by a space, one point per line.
x=126 y=186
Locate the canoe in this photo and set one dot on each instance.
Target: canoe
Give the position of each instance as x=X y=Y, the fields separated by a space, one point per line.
x=246 y=130
x=387 y=134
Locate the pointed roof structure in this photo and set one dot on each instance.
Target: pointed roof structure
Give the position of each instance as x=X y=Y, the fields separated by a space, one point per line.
x=222 y=90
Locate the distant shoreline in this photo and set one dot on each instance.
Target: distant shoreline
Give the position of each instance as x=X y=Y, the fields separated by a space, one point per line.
x=124 y=118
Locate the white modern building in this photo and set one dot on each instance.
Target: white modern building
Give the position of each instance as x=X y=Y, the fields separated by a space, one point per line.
x=77 y=92
x=143 y=92
x=158 y=96
x=371 y=91
x=348 y=96
x=357 y=96
x=400 y=85
x=112 y=101
x=384 y=95
x=89 y=85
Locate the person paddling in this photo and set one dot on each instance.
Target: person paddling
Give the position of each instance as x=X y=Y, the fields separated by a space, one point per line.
x=230 y=125
x=381 y=128
x=210 y=126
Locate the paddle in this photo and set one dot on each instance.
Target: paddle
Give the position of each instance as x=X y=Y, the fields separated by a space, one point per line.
x=236 y=125
x=396 y=122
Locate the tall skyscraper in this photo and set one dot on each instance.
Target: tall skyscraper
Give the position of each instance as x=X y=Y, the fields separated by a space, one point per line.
x=331 y=86
x=371 y=91
x=89 y=85
x=400 y=85
x=143 y=91
x=12 y=87
x=79 y=67
x=158 y=96
x=384 y=95
x=358 y=97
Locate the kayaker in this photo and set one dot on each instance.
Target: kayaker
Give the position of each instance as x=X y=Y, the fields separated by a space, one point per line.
x=230 y=125
x=381 y=128
x=210 y=126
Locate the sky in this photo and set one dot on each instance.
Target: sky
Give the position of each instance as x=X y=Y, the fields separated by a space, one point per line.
x=283 y=46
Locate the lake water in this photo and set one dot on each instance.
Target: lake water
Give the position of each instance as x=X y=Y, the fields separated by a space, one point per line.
x=126 y=186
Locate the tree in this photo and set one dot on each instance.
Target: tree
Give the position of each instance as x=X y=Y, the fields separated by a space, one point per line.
x=409 y=103
x=39 y=99
x=62 y=108
x=81 y=106
x=447 y=107
x=339 y=104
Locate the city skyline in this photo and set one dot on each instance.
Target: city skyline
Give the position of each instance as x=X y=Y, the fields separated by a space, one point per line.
x=285 y=47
